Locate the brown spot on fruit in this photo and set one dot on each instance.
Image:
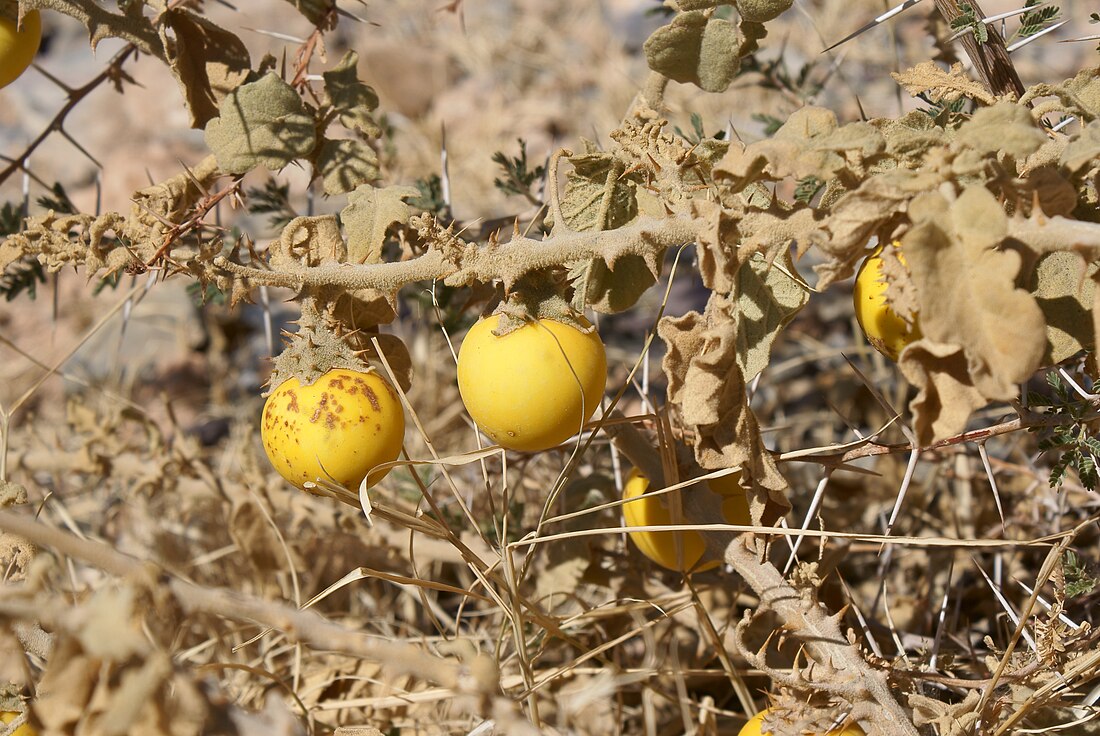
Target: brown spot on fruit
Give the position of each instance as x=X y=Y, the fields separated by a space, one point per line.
x=337 y=383
x=292 y=405
x=372 y=398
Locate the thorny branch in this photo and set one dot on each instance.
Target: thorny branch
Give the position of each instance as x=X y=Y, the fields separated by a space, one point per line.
x=113 y=71
x=506 y=262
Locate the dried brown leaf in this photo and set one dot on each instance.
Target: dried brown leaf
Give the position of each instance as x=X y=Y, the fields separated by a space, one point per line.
x=207 y=61
x=939 y=85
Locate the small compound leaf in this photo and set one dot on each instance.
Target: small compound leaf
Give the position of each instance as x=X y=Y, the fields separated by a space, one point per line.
x=207 y=61
x=697 y=50
x=1064 y=290
x=369 y=214
x=352 y=99
x=262 y=123
x=346 y=164
x=1003 y=128
x=767 y=298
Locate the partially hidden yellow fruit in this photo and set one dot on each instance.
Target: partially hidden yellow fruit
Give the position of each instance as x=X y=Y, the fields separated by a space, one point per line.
x=335 y=429
x=887 y=332
x=753 y=728
x=18 y=46
x=7 y=717
x=678 y=550
x=533 y=388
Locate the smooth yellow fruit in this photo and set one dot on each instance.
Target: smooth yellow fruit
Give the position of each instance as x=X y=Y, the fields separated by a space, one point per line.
x=885 y=329
x=335 y=429
x=677 y=550
x=752 y=728
x=24 y=730
x=18 y=46
x=533 y=388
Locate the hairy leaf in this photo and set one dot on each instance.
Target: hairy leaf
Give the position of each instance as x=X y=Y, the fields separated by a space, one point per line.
x=208 y=61
x=352 y=99
x=346 y=164
x=262 y=123
x=810 y=143
x=597 y=196
x=968 y=300
x=761 y=11
x=369 y=214
x=705 y=380
x=1064 y=290
x=1084 y=150
x=697 y=50
x=610 y=290
x=767 y=297
x=1005 y=127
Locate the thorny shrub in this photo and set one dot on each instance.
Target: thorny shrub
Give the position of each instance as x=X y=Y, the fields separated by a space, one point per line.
x=513 y=607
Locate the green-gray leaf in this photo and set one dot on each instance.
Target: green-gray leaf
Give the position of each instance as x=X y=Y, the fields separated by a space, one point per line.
x=369 y=214
x=767 y=297
x=261 y=123
x=351 y=98
x=346 y=164
x=697 y=50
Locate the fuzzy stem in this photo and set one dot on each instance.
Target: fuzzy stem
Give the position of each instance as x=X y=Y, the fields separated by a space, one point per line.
x=506 y=262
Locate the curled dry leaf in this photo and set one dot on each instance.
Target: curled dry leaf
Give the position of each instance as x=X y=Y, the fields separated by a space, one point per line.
x=966 y=287
x=706 y=382
x=208 y=61
x=939 y=86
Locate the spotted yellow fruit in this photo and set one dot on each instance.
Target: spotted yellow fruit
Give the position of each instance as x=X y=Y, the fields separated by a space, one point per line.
x=336 y=429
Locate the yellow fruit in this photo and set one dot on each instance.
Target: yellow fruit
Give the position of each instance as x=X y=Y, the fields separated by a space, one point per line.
x=533 y=388
x=18 y=46
x=335 y=429
x=752 y=728
x=885 y=330
x=677 y=550
x=24 y=730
